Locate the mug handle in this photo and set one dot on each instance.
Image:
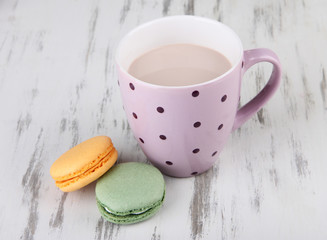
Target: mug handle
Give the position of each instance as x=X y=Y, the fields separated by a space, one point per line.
x=252 y=57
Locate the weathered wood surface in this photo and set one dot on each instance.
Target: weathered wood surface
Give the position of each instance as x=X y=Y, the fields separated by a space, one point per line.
x=58 y=87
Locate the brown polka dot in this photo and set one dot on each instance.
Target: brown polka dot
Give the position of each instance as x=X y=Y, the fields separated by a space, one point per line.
x=163 y=137
x=169 y=163
x=194 y=173
x=131 y=85
x=160 y=109
x=214 y=153
x=142 y=141
x=134 y=115
x=195 y=93
x=242 y=64
x=196 y=150
x=223 y=99
x=197 y=124
x=220 y=126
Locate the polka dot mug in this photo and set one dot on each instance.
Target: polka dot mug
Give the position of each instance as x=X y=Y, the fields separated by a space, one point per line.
x=183 y=129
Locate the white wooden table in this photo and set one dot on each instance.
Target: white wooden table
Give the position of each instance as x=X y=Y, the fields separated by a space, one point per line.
x=58 y=87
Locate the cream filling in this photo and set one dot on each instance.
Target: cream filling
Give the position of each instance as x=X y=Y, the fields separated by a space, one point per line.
x=136 y=213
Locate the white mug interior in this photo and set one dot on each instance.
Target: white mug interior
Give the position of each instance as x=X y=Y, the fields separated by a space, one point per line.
x=179 y=30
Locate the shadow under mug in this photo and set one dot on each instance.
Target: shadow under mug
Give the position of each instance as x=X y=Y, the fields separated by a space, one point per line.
x=183 y=129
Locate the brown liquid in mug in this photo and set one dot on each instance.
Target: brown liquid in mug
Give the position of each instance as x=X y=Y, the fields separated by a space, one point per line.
x=179 y=65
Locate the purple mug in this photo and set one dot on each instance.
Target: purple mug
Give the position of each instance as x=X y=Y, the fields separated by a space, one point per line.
x=183 y=129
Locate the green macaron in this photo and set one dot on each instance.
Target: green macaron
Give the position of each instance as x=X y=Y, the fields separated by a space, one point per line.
x=130 y=192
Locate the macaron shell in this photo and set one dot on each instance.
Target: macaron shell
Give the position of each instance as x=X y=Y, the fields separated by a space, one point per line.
x=130 y=187
x=90 y=176
x=81 y=158
x=128 y=219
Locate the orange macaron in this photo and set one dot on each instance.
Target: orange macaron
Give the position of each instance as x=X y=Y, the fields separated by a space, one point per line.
x=84 y=163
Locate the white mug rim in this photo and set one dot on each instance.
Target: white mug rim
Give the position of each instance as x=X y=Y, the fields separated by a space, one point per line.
x=183 y=86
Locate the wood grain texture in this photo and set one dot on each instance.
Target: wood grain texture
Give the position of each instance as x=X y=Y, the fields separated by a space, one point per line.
x=58 y=87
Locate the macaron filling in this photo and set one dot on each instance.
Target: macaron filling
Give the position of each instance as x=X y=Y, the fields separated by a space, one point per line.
x=133 y=213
